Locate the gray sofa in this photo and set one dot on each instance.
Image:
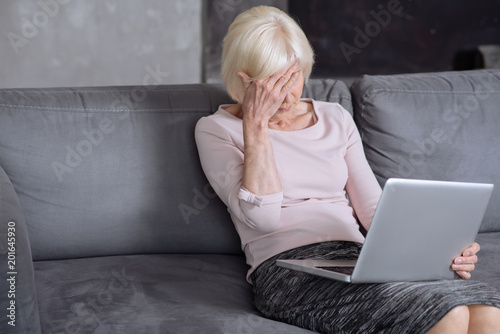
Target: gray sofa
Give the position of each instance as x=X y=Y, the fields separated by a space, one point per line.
x=114 y=228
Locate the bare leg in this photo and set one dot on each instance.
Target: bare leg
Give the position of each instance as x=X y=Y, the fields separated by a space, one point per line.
x=454 y=322
x=484 y=319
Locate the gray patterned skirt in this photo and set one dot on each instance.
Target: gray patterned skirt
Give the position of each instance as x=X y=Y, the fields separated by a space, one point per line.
x=330 y=306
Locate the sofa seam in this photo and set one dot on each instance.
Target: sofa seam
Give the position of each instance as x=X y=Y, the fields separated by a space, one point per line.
x=194 y=110
x=337 y=96
x=118 y=90
x=361 y=127
x=130 y=110
x=432 y=92
x=436 y=74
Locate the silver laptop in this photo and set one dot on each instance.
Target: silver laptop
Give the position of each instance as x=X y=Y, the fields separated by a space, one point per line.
x=419 y=227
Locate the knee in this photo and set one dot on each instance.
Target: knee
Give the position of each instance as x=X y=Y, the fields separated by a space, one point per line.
x=484 y=319
x=460 y=315
x=455 y=321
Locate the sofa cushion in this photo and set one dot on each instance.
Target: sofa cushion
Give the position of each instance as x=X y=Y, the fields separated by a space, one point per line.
x=150 y=294
x=115 y=170
x=487 y=268
x=441 y=126
x=329 y=90
x=18 y=298
x=102 y=171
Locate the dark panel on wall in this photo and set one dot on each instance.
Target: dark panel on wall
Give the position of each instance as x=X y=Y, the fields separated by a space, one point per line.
x=353 y=37
x=218 y=15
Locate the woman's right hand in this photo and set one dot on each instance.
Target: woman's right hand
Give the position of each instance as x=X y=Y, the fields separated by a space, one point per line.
x=263 y=97
x=261 y=101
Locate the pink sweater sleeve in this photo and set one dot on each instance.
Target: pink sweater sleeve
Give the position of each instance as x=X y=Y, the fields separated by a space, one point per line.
x=222 y=162
x=362 y=187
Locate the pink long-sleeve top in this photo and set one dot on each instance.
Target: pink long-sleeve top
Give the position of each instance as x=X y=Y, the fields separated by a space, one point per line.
x=316 y=165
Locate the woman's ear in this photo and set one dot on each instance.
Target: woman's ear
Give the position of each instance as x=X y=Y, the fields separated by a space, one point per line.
x=245 y=79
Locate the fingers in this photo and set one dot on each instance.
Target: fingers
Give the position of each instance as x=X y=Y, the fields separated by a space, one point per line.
x=464 y=274
x=245 y=79
x=289 y=84
x=467 y=259
x=287 y=71
x=262 y=98
x=282 y=80
x=463 y=265
x=286 y=79
x=472 y=250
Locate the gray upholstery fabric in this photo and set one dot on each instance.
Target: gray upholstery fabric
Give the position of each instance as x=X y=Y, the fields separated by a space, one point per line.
x=20 y=286
x=488 y=268
x=329 y=90
x=441 y=126
x=105 y=171
x=150 y=294
x=115 y=170
x=111 y=171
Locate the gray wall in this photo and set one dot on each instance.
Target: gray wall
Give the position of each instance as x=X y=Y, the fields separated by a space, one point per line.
x=58 y=43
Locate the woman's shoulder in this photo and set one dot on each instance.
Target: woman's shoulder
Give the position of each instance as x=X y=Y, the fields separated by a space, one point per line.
x=220 y=124
x=334 y=116
x=219 y=118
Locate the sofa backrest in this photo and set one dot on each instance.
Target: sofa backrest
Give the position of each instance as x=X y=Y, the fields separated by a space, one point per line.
x=115 y=170
x=442 y=126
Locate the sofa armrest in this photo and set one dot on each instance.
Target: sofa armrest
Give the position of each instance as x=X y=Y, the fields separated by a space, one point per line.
x=18 y=301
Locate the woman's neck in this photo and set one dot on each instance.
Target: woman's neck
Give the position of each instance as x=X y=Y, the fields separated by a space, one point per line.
x=297 y=118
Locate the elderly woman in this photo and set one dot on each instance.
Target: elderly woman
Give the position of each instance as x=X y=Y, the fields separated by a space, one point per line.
x=283 y=165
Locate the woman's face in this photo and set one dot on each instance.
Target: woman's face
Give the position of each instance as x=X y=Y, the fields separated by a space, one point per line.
x=293 y=97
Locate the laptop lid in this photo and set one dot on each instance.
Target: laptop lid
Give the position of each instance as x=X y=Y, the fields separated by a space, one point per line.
x=419 y=227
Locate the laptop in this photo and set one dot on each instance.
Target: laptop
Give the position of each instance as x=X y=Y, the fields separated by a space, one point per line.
x=419 y=227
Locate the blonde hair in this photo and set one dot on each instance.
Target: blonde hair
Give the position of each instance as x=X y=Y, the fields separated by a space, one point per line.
x=260 y=42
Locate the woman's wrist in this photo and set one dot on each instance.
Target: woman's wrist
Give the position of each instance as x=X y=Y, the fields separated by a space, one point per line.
x=256 y=133
x=250 y=122
x=260 y=175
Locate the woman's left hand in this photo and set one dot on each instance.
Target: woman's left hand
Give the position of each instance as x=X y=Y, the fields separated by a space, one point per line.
x=463 y=265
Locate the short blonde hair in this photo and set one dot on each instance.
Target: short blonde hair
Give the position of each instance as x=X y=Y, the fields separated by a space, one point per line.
x=260 y=42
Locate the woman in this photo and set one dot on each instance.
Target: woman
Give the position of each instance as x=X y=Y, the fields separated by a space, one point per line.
x=283 y=165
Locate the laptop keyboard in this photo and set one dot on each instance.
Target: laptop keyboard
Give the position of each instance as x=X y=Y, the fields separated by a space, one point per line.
x=342 y=270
